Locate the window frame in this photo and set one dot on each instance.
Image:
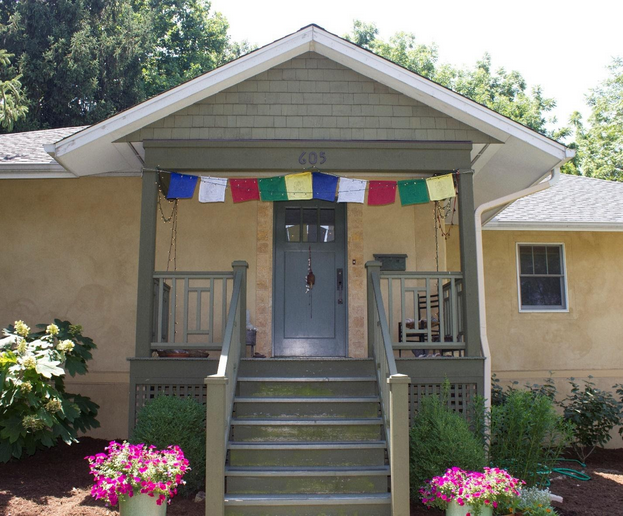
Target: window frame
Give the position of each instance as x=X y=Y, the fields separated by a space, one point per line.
x=565 y=298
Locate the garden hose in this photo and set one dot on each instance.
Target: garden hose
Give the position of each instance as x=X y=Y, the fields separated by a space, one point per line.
x=578 y=475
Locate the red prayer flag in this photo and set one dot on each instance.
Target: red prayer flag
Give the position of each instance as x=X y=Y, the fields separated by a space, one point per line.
x=381 y=192
x=244 y=190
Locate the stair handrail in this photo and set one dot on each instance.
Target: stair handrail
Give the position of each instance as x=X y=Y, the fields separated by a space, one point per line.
x=221 y=390
x=393 y=390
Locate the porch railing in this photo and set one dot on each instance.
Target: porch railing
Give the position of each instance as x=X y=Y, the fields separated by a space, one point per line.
x=394 y=393
x=190 y=309
x=220 y=392
x=424 y=310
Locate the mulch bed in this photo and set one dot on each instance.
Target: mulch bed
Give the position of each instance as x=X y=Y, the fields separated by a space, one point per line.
x=56 y=482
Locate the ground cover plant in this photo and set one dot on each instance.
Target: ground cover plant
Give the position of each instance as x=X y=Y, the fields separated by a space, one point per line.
x=35 y=409
x=171 y=420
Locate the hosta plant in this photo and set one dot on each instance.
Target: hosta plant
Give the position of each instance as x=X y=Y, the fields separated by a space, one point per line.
x=35 y=409
x=492 y=488
x=128 y=469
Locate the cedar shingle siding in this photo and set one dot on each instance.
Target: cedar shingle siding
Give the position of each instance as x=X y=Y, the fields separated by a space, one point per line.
x=309 y=97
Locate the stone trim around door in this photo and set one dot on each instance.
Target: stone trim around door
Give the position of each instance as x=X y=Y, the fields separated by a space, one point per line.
x=264 y=279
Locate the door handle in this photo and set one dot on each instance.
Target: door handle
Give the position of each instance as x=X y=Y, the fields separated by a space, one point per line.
x=340 y=286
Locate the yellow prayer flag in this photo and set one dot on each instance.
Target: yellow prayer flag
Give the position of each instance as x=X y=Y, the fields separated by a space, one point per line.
x=299 y=186
x=440 y=187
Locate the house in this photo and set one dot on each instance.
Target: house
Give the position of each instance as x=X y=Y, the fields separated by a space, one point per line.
x=89 y=237
x=567 y=241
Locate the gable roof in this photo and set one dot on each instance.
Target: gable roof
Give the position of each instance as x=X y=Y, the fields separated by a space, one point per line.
x=523 y=158
x=574 y=203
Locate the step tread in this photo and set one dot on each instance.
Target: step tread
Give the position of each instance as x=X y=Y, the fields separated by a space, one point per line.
x=301 y=445
x=307 y=422
x=311 y=471
x=311 y=499
x=298 y=399
x=307 y=378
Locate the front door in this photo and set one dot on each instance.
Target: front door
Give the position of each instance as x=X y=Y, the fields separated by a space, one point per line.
x=310 y=323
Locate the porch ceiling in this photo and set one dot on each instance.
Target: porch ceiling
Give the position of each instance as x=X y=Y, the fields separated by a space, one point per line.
x=522 y=158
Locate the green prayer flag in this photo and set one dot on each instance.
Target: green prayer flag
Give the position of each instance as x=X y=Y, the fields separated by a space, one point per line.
x=273 y=188
x=413 y=191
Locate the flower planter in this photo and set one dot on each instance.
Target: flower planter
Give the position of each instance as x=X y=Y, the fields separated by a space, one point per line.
x=454 y=509
x=142 y=505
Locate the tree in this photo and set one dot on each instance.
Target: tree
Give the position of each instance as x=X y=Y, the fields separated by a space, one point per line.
x=505 y=92
x=186 y=41
x=12 y=102
x=600 y=145
x=82 y=61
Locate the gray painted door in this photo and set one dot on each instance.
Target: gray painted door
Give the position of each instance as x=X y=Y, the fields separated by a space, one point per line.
x=310 y=324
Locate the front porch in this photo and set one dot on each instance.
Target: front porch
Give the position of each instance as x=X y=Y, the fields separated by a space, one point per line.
x=407 y=331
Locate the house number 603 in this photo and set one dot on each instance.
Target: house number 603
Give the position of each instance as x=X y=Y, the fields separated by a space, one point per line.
x=313 y=158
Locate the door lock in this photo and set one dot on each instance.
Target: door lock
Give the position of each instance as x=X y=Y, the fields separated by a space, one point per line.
x=340 y=286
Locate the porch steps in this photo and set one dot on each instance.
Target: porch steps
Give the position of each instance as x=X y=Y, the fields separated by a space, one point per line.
x=307 y=440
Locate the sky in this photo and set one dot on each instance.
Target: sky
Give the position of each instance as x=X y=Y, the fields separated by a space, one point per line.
x=563 y=46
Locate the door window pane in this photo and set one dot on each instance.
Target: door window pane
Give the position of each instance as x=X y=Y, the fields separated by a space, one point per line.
x=293 y=224
x=310 y=225
x=327 y=225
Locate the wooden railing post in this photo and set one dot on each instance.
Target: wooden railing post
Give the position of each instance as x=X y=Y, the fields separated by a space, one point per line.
x=399 y=451
x=242 y=266
x=371 y=268
x=216 y=444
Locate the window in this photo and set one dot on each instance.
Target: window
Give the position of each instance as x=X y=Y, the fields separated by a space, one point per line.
x=318 y=225
x=542 y=283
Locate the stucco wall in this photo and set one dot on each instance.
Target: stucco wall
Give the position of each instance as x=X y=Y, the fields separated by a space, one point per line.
x=310 y=97
x=584 y=341
x=69 y=251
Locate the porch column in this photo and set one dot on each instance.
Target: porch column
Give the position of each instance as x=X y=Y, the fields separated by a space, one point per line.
x=469 y=266
x=146 y=265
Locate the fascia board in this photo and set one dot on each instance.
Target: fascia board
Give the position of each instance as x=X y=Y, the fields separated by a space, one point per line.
x=431 y=94
x=189 y=93
x=34 y=171
x=554 y=226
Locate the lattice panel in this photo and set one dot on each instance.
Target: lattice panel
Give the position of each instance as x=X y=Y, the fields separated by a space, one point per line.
x=461 y=395
x=146 y=392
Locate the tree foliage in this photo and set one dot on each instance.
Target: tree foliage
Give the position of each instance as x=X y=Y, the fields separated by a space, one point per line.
x=12 y=102
x=81 y=61
x=600 y=144
x=503 y=91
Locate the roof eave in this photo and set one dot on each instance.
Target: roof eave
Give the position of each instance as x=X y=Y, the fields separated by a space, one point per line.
x=553 y=226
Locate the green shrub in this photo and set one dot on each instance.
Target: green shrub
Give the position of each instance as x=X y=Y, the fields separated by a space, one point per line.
x=441 y=439
x=527 y=435
x=35 y=409
x=594 y=413
x=169 y=420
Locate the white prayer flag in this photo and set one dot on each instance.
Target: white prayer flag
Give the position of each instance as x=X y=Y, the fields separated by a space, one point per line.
x=212 y=189
x=352 y=190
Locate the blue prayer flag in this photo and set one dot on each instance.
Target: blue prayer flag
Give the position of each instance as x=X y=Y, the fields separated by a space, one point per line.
x=324 y=186
x=182 y=186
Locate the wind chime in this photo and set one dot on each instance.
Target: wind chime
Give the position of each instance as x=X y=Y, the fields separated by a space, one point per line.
x=310 y=279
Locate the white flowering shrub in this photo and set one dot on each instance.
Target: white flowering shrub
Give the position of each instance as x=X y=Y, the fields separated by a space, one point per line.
x=35 y=409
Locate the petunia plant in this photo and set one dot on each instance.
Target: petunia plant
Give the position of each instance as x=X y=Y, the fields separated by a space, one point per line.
x=35 y=409
x=478 y=490
x=129 y=469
